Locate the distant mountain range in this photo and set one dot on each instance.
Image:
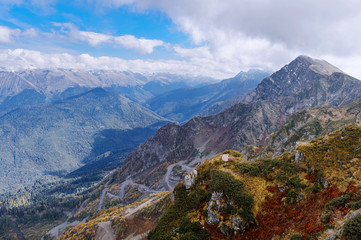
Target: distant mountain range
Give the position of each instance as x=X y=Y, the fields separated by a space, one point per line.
x=31 y=87
x=182 y=104
x=68 y=123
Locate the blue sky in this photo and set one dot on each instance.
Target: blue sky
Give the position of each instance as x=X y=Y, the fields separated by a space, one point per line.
x=151 y=24
x=216 y=38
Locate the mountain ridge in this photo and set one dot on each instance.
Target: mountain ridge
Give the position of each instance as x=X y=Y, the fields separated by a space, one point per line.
x=249 y=122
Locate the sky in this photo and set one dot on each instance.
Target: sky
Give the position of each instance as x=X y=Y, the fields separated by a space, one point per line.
x=214 y=38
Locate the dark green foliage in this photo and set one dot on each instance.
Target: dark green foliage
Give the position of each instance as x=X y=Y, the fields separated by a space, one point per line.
x=316 y=187
x=191 y=230
x=296 y=237
x=51 y=214
x=291 y=197
x=233 y=189
x=314 y=236
x=174 y=219
x=233 y=153
x=281 y=177
x=355 y=204
x=329 y=226
x=113 y=203
x=337 y=202
x=196 y=197
x=295 y=182
x=261 y=168
x=326 y=218
x=5 y=224
x=352 y=228
x=229 y=210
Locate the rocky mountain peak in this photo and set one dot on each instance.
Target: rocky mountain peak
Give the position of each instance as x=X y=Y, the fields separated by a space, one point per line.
x=302 y=73
x=319 y=66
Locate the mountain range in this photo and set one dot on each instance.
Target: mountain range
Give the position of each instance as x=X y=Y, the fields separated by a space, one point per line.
x=68 y=123
x=304 y=83
x=296 y=179
x=182 y=104
x=282 y=135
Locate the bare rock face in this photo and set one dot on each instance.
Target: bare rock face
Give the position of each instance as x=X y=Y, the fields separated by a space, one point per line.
x=188 y=181
x=324 y=183
x=214 y=205
x=237 y=225
x=299 y=157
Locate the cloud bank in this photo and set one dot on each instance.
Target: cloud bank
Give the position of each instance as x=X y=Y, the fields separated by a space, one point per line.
x=19 y=59
x=266 y=33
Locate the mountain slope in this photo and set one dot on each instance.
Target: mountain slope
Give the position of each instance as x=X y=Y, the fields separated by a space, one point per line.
x=287 y=197
x=307 y=83
x=310 y=193
x=182 y=104
x=56 y=138
x=248 y=123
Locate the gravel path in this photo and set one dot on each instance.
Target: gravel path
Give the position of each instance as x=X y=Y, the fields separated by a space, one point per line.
x=105 y=231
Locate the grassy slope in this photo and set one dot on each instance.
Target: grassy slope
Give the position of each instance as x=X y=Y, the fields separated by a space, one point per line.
x=305 y=208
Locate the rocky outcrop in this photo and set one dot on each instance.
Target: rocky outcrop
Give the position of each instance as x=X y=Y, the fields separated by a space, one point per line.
x=214 y=204
x=190 y=178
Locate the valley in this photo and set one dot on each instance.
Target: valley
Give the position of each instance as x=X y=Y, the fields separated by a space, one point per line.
x=274 y=132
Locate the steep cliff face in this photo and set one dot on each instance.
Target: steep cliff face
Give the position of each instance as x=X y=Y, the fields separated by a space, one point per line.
x=304 y=83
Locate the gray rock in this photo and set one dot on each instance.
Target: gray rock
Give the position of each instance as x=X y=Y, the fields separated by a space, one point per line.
x=188 y=181
x=237 y=225
x=213 y=206
x=282 y=189
x=224 y=229
x=299 y=157
x=324 y=183
x=300 y=196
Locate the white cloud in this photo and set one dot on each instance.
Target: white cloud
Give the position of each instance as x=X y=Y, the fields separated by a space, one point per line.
x=269 y=33
x=93 y=38
x=19 y=59
x=140 y=45
x=7 y=35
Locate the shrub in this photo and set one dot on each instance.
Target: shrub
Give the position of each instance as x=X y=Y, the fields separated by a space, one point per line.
x=337 y=202
x=296 y=237
x=326 y=218
x=352 y=228
x=295 y=182
x=291 y=197
x=233 y=153
x=355 y=204
x=234 y=189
